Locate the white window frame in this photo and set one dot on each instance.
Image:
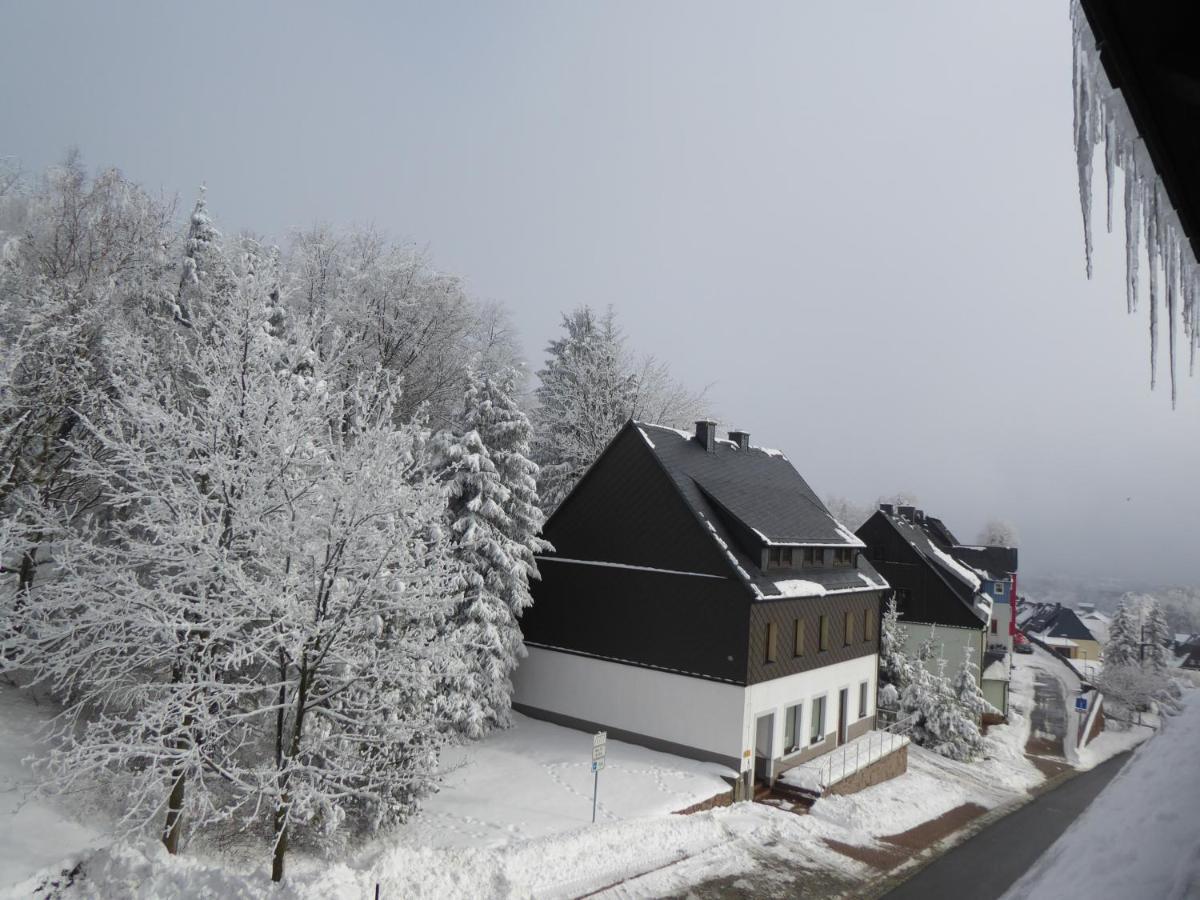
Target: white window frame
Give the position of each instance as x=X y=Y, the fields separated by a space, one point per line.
x=799 y=733
x=823 y=699
x=864 y=698
x=998 y=588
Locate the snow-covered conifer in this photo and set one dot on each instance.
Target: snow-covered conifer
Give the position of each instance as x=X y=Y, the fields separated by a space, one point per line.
x=585 y=395
x=1125 y=634
x=895 y=668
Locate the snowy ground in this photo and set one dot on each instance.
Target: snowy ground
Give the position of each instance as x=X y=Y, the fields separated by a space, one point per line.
x=513 y=819
x=1153 y=798
x=35 y=833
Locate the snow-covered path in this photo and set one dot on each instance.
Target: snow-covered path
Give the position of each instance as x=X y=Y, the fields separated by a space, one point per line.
x=1141 y=836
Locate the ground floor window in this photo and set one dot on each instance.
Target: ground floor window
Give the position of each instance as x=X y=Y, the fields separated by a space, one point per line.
x=862 y=700
x=791 y=729
x=818 y=721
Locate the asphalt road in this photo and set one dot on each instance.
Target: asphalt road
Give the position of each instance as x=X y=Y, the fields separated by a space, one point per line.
x=988 y=864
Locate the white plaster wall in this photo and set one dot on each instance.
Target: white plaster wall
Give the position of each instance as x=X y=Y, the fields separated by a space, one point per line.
x=780 y=693
x=1002 y=613
x=690 y=711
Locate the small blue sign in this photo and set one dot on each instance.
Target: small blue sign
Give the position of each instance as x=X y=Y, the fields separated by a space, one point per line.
x=1081 y=704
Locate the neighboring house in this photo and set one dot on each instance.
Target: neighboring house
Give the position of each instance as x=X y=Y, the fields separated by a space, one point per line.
x=701 y=600
x=1061 y=629
x=1187 y=651
x=1098 y=623
x=965 y=605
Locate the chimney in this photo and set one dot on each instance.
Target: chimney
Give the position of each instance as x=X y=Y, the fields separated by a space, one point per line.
x=741 y=438
x=887 y=509
x=908 y=512
x=706 y=433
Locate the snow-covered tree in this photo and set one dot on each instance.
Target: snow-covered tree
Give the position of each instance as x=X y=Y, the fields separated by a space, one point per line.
x=479 y=693
x=1157 y=635
x=848 y=512
x=585 y=394
x=945 y=714
x=895 y=668
x=85 y=267
x=491 y=410
x=1125 y=634
x=147 y=620
x=359 y=584
x=384 y=304
x=998 y=533
x=589 y=387
x=966 y=689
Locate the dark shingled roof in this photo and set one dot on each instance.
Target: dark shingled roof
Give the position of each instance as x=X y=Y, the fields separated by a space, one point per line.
x=925 y=545
x=998 y=562
x=753 y=496
x=1056 y=620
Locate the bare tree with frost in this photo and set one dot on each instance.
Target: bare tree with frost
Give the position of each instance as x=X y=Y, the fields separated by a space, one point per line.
x=998 y=533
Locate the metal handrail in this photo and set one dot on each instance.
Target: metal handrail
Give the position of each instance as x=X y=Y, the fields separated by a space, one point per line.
x=889 y=738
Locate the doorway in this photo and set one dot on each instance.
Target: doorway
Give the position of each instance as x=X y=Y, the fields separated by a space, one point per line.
x=764 y=733
x=843 y=715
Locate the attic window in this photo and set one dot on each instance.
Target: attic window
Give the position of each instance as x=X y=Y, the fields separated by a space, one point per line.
x=814 y=556
x=779 y=558
x=843 y=556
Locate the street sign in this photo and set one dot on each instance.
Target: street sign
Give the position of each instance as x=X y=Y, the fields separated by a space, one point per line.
x=599 y=750
x=1081 y=704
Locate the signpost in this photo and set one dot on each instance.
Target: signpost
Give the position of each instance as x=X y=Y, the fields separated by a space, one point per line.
x=599 y=749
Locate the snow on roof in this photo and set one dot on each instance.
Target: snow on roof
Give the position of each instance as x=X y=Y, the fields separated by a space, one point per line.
x=995 y=671
x=970 y=576
x=646 y=437
x=1057 y=641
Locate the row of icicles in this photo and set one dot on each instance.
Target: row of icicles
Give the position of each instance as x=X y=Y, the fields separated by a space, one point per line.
x=1101 y=117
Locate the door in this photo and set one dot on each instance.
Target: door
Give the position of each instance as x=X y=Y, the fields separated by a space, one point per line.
x=843 y=714
x=764 y=732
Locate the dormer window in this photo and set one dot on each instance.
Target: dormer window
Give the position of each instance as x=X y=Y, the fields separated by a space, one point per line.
x=843 y=556
x=779 y=557
x=814 y=556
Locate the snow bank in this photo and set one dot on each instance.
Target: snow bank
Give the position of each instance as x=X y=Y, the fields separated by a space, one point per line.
x=1154 y=799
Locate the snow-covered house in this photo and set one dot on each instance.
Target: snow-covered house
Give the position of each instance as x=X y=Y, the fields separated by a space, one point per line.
x=961 y=595
x=1062 y=630
x=701 y=600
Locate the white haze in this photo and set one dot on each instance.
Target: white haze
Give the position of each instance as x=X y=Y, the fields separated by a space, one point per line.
x=859 y=221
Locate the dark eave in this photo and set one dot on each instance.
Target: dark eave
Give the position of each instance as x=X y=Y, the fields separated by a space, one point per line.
x=1149 y=53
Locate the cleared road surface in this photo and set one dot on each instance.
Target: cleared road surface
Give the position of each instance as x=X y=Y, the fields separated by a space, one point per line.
x=988 y=864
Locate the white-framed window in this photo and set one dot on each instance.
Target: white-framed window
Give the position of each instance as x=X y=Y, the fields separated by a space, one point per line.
x=862 y=700
x=817 y=716
x=792 y=718
x=999 y=588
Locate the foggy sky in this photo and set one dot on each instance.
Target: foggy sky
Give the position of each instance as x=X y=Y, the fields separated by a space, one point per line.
x=858 y=221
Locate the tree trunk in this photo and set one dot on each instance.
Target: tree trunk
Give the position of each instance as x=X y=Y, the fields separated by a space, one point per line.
x=174 y=823
x=281 y=838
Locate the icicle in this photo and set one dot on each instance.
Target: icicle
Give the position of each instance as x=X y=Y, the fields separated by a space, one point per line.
x=1083 y=137
x=1172 y=275
x=1110 y=159
x=1133 y=229
x=1152 y=255
x=1100 y=115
